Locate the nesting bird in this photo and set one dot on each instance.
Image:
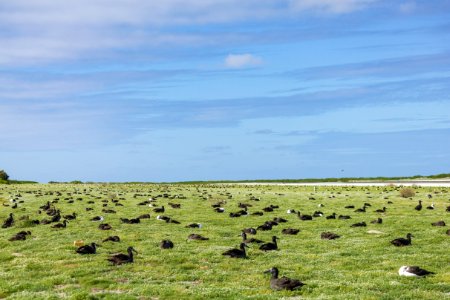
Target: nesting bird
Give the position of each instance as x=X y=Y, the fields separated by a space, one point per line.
x=113 y=238
x=166 y=244
x=400 y=242
x=61 y=225
x=197 y=237
x=194 y=225
x=360 y=224
x=250 y=240
x=413 y=271
x=283 y=283
x=291 y=231
x=418 y=206
x=237 y=253
x=438 y=223
x=270 y=246
x=20 y=236
x=329 y=236
x=9 y=221
x=87 y=249
x=120 y=258
x=104 y=226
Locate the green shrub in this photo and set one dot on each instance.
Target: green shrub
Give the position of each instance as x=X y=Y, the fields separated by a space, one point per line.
x=407 y=192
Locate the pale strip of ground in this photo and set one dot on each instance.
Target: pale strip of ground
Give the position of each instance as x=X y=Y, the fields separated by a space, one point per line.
x=424 y=183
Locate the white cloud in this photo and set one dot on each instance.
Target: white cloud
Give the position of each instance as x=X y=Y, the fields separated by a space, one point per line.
x=238 y=61
x=330 y=6
x=41 y=31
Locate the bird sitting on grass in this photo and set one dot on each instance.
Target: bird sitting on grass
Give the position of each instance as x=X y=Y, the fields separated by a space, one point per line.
x=283 y=283
x=166 y=244
x=197 y=237
x=20 y=236
x=270 y=246
x=87 y=249
x=113 y=238
x=400 y=242
x=61 y=225
x=237 y=253
x=291 y=231
x=120 y=258
x=249 y=240
x=9 y=221
x=413 y=271
x=329 y=236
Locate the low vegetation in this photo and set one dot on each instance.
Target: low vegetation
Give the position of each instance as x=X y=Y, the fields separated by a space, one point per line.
x=407 y=192
x=360 y=264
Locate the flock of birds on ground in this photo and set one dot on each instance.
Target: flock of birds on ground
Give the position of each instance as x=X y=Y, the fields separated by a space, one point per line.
x=56 y=220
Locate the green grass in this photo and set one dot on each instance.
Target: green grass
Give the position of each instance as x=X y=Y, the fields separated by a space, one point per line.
x=359 y=265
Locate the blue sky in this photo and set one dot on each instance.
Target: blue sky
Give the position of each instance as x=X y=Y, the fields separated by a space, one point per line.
x=178 y=90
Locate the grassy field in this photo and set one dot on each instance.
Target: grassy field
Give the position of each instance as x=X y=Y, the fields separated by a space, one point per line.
x=359 y=265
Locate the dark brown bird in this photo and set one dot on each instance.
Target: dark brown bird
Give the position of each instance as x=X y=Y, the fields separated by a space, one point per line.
x=9 y=221
x=237 y=253
x=419 y=206
x=400 y=242
x=360 y=224
x=73 y=216
x=332 y=216
x=20 y=236
x=61 y=225
x=144 y=216
x=377 y=221
x=270 y=246
x=194 y=225
x=113 y=238
x=104 y=226
x=130 y=221
x=197 y=237
x=329 y=236
x=250 y=240
x=304 y=217
x=159 y=209
x=291 y=231
x=381 y=210
x=87 y=249
x=120 y=258
x=166 y=244
x=283 y=283
x=438 y=223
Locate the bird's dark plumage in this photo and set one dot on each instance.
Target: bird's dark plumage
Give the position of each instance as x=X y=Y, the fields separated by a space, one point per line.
x=166 y=244
x=270 y=246
x=87 y=249
x=413 y=271
x=291 y=231
x=197 y=237
x=120 y=258
x=9 y=221
x=113 y=238
x=400 y=242
x=283 y=283
x=329 y=236
x=237 y=253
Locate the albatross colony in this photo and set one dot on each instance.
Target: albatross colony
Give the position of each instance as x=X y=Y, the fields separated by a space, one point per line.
x=128 y=227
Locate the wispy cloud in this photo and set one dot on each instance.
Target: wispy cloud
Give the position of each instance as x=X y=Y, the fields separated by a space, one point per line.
x=239 y=61
x=392 y=67
x=331 y=6
x=46 y=31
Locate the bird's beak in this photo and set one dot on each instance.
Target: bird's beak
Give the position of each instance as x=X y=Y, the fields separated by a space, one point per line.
x=268 y=271
x=135 y=251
